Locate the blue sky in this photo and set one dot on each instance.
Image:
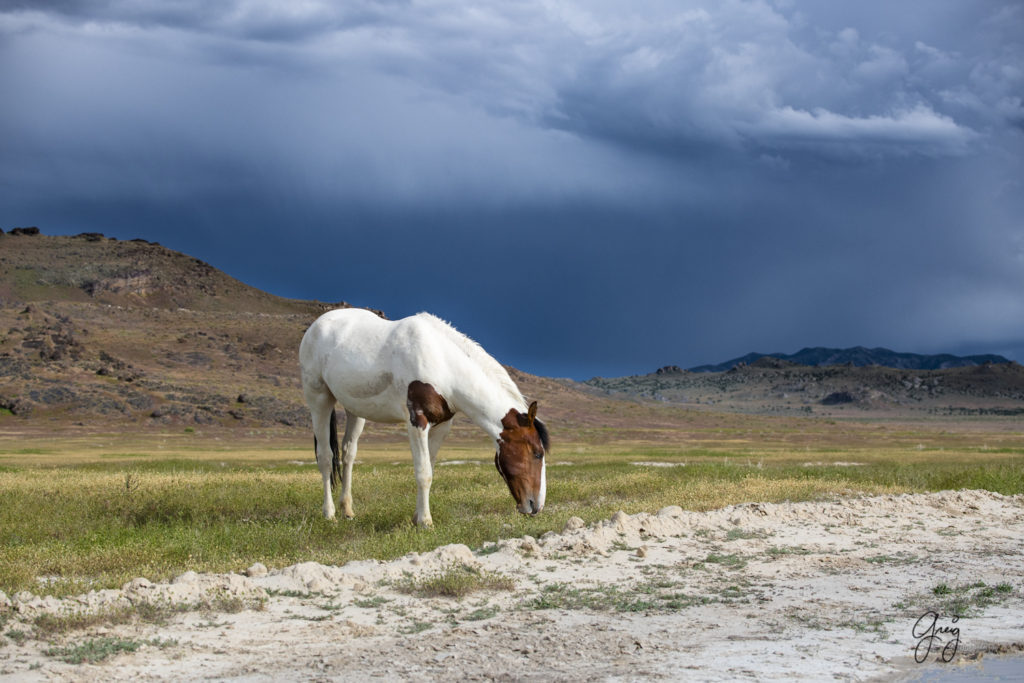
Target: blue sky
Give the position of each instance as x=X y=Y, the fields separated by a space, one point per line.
x=586 y=188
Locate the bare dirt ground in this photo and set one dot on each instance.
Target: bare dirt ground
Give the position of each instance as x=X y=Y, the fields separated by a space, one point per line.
x=794 y=591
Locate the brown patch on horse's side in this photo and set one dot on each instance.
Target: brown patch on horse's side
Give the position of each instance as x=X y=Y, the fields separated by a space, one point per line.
x=426 y=406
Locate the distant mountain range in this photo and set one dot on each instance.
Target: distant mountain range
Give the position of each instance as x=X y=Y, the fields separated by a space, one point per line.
x=857 y=356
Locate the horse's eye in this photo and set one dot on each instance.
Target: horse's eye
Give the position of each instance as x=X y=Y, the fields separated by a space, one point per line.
x=539 y=454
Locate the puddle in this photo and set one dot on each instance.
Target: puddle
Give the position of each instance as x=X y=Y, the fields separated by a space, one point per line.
x=987 y=668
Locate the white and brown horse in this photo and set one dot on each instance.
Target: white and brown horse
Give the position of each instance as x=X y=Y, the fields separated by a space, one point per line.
x=421 y=371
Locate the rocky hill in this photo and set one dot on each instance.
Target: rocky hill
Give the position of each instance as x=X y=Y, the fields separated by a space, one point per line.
x=90 y=268
x=100 y=332
x=97 y=330
x=772 y=385
x=857 y=356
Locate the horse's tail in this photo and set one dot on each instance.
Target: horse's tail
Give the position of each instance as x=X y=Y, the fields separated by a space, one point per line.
x=336 y=461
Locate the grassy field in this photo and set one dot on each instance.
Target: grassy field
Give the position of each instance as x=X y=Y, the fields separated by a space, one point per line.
x=96 y=511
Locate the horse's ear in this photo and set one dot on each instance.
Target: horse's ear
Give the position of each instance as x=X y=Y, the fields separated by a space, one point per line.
x=532 y=412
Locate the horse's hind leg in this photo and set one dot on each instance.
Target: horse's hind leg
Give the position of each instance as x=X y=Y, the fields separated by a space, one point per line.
x=325 y=435
x=349 y=445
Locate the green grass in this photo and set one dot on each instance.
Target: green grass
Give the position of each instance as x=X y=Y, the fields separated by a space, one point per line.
x=371 y=603
x=98 y=521
x=648 y=596
x=743 y=534
x=780 y=550
x=897 y=559
x=481 y=613
x=961 y=600
x=48 y=625
x=98 y=649
x=416 y=627
x=455 y=581
x=731 y=561
x=17 y=635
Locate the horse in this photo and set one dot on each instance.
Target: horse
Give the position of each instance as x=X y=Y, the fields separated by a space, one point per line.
x=421 y=371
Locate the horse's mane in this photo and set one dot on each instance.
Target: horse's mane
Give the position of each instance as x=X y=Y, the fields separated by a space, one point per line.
x=492 y=368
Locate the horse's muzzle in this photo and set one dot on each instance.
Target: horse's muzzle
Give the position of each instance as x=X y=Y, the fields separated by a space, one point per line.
x=530 y=507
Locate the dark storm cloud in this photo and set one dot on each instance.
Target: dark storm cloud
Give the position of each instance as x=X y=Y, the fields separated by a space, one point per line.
x=740 y=77
x=589 y=188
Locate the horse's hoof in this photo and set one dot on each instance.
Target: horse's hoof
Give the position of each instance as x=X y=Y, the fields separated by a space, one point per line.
x=350 y=516
x=427 y=523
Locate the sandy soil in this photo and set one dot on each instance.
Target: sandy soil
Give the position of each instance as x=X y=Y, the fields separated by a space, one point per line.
x=792 y=591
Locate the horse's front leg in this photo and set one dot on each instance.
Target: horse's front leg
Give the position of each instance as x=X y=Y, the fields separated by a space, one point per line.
x=419 y=442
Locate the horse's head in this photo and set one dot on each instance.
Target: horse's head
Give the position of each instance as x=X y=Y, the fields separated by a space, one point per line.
x=522 y=450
